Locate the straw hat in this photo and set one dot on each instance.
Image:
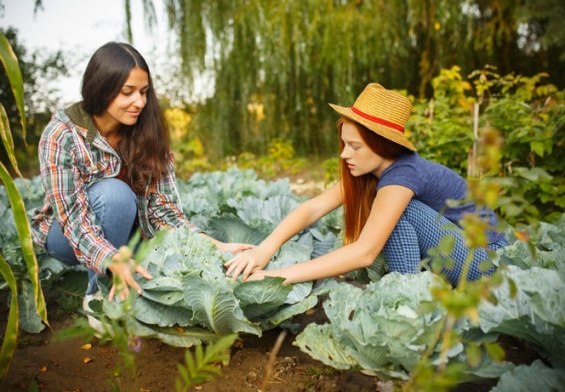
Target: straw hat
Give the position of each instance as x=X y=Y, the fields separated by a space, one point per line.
x=383 y=111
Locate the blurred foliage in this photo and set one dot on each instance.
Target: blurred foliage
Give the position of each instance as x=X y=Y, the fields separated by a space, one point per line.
x=280 y=161
x=202 y=365
x=462 y=304
x=40 y=72
x=276 y=65
x=331 y=170
x=18 y=288
x=293 y=57
x=187 y=147
x=526 y=113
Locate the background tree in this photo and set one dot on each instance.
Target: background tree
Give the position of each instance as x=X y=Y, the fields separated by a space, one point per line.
x=290 y=58
x=41 y=96
x=276 y=65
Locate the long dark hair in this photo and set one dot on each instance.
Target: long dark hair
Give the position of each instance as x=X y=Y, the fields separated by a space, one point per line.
x=144 y=147
x=359 y=192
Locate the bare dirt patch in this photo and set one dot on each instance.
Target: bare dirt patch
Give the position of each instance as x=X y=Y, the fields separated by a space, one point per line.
x=44 y=363
x=65 y=365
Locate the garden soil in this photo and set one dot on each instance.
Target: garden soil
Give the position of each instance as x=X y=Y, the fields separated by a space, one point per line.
x=42 y=362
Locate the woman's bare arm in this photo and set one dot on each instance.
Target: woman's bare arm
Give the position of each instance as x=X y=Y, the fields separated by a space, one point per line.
x=388 y=207
x=301 y=217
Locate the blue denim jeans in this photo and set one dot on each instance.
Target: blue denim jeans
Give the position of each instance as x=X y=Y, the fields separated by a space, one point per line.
x=420 y=229
x=115 y=207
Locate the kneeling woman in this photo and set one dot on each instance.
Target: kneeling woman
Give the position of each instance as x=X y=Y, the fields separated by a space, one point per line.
x=107 y=170
x=394 y=202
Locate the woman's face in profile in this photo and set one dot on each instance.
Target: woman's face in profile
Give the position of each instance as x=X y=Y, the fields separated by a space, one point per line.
x=358 y=156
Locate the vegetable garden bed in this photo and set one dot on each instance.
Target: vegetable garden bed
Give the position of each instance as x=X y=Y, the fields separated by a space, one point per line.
x=337 y=328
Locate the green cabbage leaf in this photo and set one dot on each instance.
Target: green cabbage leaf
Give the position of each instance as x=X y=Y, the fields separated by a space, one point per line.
x=190 y=300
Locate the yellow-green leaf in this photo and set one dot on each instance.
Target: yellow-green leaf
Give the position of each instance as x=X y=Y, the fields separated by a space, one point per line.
x=24 y=235
x=11 y=334
x=474 y=355
x=12 y=67
x=7 y=140
x=495 y=351
x=513 y=288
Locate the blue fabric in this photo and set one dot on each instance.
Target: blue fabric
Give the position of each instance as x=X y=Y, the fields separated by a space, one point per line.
x=420 y=229
x=115 y=207
x=434 y=184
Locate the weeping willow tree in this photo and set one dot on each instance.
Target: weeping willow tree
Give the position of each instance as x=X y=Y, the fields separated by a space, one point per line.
x=277 y=64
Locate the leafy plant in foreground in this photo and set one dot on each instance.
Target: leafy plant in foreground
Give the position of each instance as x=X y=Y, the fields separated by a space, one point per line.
x=114 y=330
x=527 y=113
x=191 y=301
x=202 y=366
x=385 y=327
x=10 y=63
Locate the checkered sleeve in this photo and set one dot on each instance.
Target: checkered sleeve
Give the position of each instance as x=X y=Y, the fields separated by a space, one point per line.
x=60 y=157
x=164 y=204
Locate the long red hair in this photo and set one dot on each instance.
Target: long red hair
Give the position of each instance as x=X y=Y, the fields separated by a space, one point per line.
x=359 y=192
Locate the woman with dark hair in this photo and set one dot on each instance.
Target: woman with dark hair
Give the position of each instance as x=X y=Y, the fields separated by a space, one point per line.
x=107 y=170
x=394 y=202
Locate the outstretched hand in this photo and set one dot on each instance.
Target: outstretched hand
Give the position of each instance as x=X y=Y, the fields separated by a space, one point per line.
x=246 y=263
x=233 y=247
x=123 y=278
x=258 y=275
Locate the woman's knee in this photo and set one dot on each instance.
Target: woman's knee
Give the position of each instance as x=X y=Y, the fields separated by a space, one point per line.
x=113 y=196
x=402 y=251
x=417 y=211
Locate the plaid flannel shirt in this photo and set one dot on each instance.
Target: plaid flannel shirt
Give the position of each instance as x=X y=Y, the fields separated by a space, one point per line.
x=73 y=155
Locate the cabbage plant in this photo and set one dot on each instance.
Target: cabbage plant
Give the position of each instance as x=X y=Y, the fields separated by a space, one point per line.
x=385 y=328
x=190 y=300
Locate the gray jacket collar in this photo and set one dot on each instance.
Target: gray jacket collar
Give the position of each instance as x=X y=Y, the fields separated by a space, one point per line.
x=78 y=116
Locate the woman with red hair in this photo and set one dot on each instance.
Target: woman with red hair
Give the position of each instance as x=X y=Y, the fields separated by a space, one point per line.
x=394 y=202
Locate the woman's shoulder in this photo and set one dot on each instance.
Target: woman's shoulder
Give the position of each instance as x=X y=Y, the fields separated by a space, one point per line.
x=412 y=168
x=407 y=160
x=408 y=157
x=60 y=125
x=412 y=159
